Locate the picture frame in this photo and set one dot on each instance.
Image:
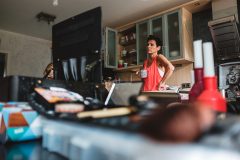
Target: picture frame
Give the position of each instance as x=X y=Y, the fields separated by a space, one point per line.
x=223 y=76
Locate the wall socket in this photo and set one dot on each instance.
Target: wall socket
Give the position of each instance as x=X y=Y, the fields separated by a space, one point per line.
x=186 y=85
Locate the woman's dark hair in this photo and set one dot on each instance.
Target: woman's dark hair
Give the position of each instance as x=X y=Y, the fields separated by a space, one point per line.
x=47 y=70
x=156 y=39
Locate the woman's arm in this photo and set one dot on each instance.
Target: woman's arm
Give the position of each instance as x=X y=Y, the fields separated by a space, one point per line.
x=169 y=68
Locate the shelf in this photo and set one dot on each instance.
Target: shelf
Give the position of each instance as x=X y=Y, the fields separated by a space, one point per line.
x=130 y=55
x=128 y=69
x=131 y=42
x=181 y=61
x=128 y=37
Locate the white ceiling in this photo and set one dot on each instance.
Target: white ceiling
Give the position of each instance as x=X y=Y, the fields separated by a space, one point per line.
x=20 y=15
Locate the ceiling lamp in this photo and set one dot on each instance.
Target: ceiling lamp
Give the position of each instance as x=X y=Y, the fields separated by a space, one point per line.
x=45 y=17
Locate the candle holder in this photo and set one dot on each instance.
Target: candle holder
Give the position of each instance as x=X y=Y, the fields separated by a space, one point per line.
x=198 y=87
x=210 y=95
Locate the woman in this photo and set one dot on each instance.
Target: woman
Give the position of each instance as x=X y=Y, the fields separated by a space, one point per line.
x=158 y=68
x=48 y=72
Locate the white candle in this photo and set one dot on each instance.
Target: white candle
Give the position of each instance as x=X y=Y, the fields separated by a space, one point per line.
x=198 y=56
x=208 y=59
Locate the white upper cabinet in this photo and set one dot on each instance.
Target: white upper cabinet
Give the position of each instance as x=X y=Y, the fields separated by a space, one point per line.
x=110 y=56
x=143 y=30
x=173 y=28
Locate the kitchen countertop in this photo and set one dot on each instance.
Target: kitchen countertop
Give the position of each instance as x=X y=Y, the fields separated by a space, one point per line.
x=93 y=142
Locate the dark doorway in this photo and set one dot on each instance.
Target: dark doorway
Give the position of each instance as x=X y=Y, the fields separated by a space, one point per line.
x=2 y=64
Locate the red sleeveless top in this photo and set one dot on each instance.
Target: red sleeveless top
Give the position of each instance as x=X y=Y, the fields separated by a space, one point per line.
x=151 y=82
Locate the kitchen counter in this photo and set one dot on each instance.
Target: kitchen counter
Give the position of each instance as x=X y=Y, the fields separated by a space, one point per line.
x=93 y=142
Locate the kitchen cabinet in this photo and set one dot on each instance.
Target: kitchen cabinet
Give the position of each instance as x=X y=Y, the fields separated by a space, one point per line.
x=110 y=56
x=179 y=36
x=127 y=46
x=174 y=30
x=157 y=27
x=143 y=29
x=172 y=34
x=152 y=26
x=120 y=47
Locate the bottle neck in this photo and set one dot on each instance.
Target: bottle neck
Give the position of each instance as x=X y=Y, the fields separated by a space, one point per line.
x=210 y=83
x=198 y=74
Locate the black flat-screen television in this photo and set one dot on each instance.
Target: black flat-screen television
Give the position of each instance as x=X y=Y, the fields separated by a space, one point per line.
x=76 y=47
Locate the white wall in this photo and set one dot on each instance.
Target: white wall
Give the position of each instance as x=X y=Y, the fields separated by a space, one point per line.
x=26 y=55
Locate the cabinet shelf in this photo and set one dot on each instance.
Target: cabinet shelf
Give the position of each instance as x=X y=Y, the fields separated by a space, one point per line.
x=128 y=69
x=131 y=42
x=181 y=61
x=132 y=54
x=177 y=41
x=130 y=58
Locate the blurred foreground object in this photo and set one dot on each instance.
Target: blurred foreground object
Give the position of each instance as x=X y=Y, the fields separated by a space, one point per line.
x=178 y=123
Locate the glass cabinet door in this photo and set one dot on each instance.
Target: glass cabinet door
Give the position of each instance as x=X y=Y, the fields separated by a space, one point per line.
x=111 y=48
x=173 y=49
x=157 y=30
x=142 y=34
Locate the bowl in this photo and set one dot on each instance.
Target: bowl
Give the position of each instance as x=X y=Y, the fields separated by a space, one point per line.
x=174 y=53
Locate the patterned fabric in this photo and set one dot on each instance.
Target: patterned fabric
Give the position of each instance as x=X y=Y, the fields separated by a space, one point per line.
x=19 y=122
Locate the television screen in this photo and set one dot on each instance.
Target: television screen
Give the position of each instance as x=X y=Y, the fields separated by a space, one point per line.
x=76 y=45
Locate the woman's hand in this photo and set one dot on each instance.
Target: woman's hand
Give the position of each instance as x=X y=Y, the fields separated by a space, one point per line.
x=138 y=73
x=162 y=86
